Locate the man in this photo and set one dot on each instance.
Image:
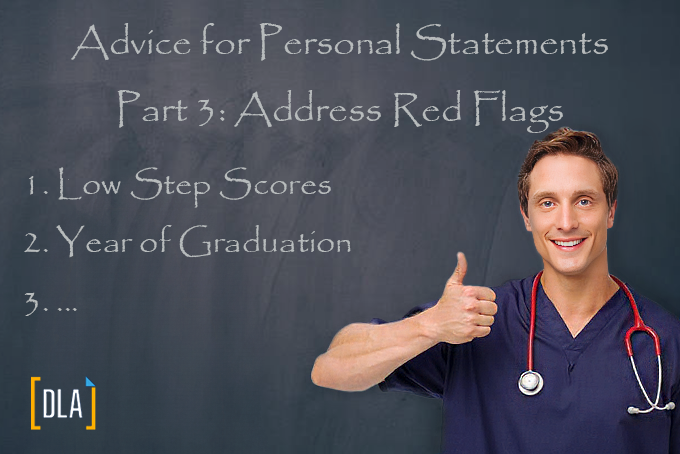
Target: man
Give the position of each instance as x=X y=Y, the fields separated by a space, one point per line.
x=470 y=348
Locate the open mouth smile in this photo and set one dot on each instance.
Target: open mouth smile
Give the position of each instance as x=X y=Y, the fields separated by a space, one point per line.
x=568 y=245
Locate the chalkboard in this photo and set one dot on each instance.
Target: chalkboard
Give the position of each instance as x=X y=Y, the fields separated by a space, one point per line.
x=139 y=278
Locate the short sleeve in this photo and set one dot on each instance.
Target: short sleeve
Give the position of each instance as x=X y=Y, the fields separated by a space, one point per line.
x=424 y=374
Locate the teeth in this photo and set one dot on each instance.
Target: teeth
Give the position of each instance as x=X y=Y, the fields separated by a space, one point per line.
x=567 y=243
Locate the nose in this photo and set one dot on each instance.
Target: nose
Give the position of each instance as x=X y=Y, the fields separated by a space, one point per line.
x=567 y=219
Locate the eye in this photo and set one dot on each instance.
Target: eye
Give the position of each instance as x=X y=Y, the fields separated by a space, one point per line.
x=584 y=202
x=547 y=204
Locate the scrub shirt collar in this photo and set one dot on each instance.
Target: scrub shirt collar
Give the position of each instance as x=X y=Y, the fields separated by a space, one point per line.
x=550 y=325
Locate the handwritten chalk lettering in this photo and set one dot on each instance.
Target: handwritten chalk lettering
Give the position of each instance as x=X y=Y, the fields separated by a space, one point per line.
x=224 y=47
x=151 y=113
x=94 y=244
x=150 y=245
x=504 y=46
x=308 y=112
x=275 y=187
x=205 y=106
x=327 y=46
x=30 y=246
x=69 y=239
x=518 y=113
x=430 y=113
x=113 y=245
x=171 y=187
x=31 y=300
x=542 y=115
x=122 y=46
x=191 y=246
x=89 y=188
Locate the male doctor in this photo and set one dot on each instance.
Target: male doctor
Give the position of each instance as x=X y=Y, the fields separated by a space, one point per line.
x=581 y=394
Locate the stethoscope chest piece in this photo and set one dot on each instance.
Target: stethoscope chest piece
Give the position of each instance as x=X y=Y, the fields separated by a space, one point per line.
x=530 y=383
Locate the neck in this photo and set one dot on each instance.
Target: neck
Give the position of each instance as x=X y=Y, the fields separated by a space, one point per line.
x=579 y=297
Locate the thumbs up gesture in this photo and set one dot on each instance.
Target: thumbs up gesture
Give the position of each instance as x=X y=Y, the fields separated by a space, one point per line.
x=463 y=312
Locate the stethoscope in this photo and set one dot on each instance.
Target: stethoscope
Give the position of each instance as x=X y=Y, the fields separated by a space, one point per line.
x=530 y=382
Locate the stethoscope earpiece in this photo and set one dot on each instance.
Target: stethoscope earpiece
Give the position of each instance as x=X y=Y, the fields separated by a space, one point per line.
x=636 y=411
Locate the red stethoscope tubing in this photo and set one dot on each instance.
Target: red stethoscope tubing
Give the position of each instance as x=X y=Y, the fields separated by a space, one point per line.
x=638 y=324
x=530 y=382
x=532 y=323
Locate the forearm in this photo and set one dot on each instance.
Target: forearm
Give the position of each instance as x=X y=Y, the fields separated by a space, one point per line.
x=362 y=355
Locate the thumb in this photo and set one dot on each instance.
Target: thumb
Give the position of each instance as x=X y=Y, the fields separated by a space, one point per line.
x=459 y=273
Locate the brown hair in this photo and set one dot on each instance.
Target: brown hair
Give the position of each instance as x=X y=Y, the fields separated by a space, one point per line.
x=568 y=141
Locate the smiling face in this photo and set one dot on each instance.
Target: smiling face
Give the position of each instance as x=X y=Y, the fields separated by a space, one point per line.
x=568 y=215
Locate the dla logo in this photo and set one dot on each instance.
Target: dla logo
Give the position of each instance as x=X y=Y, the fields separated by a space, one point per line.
x=53 y=406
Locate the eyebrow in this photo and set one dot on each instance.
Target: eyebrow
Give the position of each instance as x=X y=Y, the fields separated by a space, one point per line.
x=551 y=194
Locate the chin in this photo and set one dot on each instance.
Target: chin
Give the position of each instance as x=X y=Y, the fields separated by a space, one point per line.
x=570 y=271
x=568 y=268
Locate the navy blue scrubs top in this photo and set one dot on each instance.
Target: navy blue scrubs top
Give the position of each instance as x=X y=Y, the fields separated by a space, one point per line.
x=588 y=381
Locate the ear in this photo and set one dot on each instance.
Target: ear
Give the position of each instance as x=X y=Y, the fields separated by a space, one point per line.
x=610 y=215
x=527 y=224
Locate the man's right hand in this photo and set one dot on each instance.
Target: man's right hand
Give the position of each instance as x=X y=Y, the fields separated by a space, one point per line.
x=363 y=354
x=463 y=312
